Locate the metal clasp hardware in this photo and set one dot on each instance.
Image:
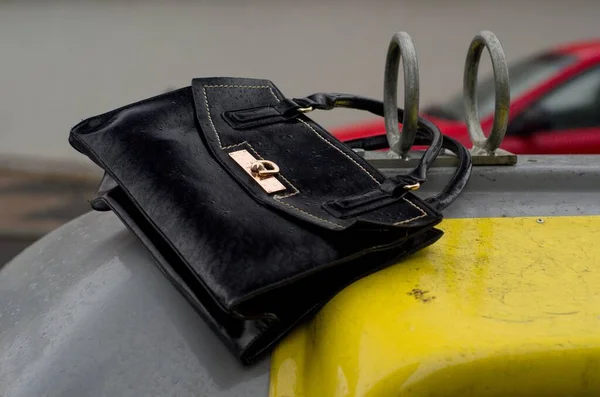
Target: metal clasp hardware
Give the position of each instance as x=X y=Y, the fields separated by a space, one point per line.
x=264 y=168
x=414 y=186
x=262 y=171
x=305 y=110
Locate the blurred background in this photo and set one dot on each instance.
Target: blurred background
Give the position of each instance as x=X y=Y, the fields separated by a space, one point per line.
x=62 y=61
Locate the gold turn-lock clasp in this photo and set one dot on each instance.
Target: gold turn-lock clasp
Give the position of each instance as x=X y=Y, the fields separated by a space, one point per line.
x=264 y=168
x=262 y=171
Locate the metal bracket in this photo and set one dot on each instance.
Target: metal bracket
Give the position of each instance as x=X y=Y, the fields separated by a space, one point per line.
x=401 y=48
x=379 y=159
x=485 y=151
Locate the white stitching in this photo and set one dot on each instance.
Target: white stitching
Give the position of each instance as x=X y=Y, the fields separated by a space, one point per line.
x=339 y=150
x=362 y=168
x=423 y=213
x=228 y=86
x=237 y=144
x=278 y=198
x=253 y=150
x=304 y=212
x=296 y=191
x=275 y=96
x=210 y=117
x=243 y=86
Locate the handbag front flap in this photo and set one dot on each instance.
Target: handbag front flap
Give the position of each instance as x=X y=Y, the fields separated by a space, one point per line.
x=304 y=168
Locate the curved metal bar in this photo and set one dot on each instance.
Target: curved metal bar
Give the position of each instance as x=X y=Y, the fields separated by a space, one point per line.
x=401 y=47
x=481 y=144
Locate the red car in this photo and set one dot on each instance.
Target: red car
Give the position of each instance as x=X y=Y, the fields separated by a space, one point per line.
x=555 y=105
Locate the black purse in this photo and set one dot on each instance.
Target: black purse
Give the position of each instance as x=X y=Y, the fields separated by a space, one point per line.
x=251 y=209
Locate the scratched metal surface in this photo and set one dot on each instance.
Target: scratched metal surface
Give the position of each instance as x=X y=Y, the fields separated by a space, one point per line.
x=84 y=312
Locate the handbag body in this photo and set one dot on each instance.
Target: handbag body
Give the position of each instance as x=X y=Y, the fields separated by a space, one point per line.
x=252 y=210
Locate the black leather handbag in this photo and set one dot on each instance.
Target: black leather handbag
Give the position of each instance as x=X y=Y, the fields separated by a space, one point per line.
x=251 y=209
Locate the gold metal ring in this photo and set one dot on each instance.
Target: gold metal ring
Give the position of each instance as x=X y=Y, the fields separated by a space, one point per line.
x=414 y=186
x=305 y=110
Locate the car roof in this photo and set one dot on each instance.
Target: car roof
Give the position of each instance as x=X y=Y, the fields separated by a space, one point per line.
x=582 y=49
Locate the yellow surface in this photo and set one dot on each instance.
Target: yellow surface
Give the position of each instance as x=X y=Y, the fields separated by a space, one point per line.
x=497 y=307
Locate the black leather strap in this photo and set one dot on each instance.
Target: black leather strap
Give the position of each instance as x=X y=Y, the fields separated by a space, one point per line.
x=454 y=186
x=428 y=134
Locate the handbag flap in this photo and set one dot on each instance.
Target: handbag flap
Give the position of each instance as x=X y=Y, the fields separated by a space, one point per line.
x=314 y=168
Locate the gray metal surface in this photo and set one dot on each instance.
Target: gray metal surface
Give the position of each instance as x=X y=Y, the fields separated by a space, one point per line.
x=84 y=311
x=536 y=186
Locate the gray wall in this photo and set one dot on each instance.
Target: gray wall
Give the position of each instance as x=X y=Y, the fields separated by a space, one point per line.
x=62 y=61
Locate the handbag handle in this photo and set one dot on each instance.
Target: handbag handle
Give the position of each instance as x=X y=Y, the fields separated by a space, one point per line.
x=427 y=134
x=290 y=108
x=414 y=128
x=401 y=48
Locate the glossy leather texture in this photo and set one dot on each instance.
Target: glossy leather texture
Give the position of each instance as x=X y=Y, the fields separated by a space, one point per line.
x=252 y=263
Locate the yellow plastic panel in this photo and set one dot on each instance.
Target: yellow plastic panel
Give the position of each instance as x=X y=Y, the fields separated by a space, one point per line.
x=497 y=307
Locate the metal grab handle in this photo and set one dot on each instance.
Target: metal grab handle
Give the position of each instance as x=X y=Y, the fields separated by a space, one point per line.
x=481 y=144
x=401 y=47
